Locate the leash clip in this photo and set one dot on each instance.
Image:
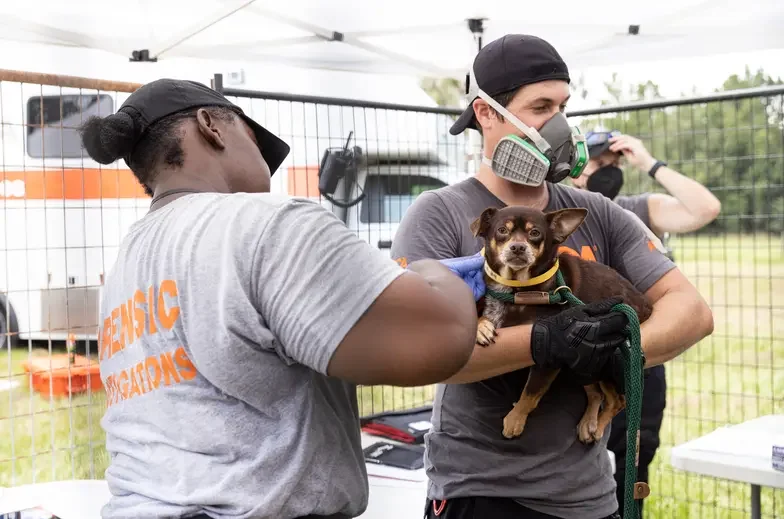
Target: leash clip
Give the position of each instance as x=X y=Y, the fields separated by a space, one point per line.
x=564 y=288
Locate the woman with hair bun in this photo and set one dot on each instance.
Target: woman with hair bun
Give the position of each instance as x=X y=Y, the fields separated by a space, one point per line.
x=235 y=324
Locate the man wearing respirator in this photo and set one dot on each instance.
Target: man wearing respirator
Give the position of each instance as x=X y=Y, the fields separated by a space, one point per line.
x=687 y=207
x=518 y=89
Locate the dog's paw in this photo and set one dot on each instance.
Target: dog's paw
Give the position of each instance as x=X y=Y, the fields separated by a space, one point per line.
x=514 y=423
x=587 y=429
x=485 y=332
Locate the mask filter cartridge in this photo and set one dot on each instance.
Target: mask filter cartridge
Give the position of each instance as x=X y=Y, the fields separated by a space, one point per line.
x=518 y=161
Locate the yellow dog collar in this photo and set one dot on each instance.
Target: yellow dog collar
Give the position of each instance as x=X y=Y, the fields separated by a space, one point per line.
x=541 y=278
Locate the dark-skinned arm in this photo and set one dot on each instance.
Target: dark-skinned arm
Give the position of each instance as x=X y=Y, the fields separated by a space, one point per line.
x=420 y=330
x=343 y=308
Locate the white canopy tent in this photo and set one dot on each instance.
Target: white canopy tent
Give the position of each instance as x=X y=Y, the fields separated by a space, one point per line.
x=412 y=37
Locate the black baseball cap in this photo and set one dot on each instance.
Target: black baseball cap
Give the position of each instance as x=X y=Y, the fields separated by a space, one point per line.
x=164 y=97
x=599 y=141
x=508 y=63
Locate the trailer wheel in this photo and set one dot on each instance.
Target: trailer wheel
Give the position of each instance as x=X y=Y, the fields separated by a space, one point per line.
x=8 y=334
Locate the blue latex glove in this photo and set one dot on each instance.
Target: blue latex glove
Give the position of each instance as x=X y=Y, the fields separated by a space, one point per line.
x=470 y=269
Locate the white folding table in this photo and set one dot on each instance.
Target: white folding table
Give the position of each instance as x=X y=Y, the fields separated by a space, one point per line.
x=84 y=498
x=394 y=493
x=740 y=452
x=70 y=499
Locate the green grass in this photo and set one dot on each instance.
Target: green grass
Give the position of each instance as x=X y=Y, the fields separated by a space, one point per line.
x=732 y=376
x=733 y=249
x=47 y=439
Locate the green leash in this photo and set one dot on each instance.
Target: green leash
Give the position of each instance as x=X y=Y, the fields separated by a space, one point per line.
x=633 y=358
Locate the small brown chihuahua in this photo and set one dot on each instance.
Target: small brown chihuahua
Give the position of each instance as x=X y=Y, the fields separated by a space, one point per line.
x=521 y=251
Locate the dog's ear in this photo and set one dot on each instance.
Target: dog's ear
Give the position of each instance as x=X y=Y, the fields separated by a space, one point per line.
x=480 y=225
x=565 y=222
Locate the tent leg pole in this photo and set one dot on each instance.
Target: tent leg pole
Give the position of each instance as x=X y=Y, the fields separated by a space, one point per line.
x=217 y=83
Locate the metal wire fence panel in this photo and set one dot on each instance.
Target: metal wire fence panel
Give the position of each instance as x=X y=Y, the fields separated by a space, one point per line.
x=733 y=143
x=63 y=216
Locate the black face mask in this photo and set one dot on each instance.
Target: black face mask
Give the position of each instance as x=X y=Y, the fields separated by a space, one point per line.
x=607 y=180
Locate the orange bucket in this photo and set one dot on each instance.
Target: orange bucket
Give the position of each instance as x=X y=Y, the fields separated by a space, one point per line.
x=66 y=378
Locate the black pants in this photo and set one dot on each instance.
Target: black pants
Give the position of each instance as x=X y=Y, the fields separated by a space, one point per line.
x=484 y=508
x=654 y=400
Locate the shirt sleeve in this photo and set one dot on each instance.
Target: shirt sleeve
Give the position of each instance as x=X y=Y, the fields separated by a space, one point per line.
x=314 y=279
x=426 y=231
x=638 y=204
x=631 y=252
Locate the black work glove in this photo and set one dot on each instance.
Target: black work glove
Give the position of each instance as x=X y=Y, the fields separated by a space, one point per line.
x=615 y=371
x=581 y=338
x=612 y=370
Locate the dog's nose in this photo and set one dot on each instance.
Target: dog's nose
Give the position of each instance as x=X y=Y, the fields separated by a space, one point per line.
x=517 y=248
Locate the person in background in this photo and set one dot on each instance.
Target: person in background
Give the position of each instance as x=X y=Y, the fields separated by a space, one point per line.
x=687 y=207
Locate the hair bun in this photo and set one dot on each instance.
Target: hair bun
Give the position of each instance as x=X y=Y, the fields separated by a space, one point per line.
x=109 y=138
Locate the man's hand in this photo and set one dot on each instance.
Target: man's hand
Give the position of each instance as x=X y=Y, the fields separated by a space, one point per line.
x=634 y=151
x=582 y=338
x=614 y=372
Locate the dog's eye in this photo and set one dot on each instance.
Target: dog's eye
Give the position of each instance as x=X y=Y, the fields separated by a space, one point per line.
x=534 y=233
x=503 y=230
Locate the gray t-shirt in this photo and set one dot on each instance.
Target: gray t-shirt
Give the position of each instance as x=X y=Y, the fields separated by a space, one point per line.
x=547 y=468
x=220 y=403
x=638 y=204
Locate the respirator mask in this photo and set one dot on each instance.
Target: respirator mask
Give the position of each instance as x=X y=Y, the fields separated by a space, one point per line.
x=554 y=152
x=607 y=180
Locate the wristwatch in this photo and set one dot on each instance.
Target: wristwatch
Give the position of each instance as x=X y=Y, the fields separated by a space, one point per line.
x=655 y=168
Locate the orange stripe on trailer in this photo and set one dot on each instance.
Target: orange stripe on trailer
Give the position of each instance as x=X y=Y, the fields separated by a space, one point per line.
x=94 y=183
x=303 y=181
x=69 y=184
